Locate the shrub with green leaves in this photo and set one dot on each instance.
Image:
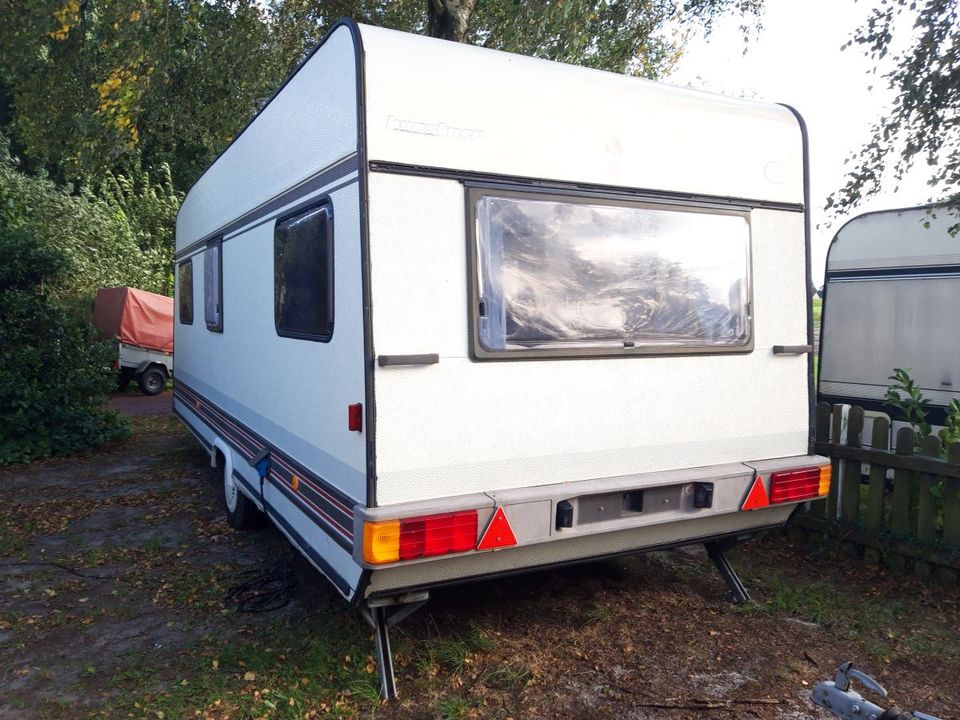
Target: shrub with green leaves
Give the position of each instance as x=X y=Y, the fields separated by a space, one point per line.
x=54 y=373
x=908 y=399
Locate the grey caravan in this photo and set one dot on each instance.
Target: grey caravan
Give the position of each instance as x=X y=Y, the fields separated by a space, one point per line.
x=892 y=299
x=435 y=341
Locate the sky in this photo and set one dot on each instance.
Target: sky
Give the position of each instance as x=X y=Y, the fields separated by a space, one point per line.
x=796 y=58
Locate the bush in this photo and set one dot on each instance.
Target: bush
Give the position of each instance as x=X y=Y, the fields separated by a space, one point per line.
x=122 y=236
x=54 y=373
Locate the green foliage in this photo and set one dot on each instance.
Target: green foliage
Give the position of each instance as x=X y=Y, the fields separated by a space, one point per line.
x=922 y=124
x=53 y=372
x=123 y=237
x=906 y=396
x=87 y=88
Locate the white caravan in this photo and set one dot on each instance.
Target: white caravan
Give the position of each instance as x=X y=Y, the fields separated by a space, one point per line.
x=461 y=313
x=892 y=298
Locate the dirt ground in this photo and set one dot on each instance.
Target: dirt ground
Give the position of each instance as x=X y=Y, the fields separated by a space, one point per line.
x=114 y=567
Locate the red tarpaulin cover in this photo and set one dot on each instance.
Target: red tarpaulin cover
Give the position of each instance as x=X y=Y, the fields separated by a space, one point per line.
x=135 y=317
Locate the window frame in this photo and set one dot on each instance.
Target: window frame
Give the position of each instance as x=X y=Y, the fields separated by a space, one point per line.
x=218 y=243
x=180 y=298
x=474 y=191
x=324 y=337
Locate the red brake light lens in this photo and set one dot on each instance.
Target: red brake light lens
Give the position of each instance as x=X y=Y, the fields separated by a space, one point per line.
x=438 y=534
x=793 y=485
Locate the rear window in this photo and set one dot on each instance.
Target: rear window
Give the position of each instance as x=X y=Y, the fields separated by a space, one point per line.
x=303 y=274
x=562 y=276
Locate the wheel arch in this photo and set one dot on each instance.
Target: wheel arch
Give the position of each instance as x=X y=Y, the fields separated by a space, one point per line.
x=147 y=364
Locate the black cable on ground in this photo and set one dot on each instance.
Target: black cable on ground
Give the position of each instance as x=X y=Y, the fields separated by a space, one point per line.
x=65 y=568
x=264 y=590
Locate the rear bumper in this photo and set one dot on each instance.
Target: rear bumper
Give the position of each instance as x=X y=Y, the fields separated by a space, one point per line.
x=606 y=520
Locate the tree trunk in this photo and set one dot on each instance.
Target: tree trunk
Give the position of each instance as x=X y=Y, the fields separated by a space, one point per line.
x=449 y=19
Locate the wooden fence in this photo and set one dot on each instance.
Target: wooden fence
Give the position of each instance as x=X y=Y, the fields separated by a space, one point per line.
x=908 y=521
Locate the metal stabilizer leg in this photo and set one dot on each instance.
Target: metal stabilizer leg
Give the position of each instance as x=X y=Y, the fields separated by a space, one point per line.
x=381 y=637
x=376 y=612
x=716 y=550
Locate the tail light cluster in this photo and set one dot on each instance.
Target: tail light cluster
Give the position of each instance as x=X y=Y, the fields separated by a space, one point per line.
x=799 y=484
x=418 y=537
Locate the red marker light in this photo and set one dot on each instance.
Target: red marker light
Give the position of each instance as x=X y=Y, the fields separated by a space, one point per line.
x=355 y=417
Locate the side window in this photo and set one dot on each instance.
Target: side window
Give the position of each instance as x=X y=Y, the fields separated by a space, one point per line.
x=185 y=291
x=303 y=274
x=213 y=286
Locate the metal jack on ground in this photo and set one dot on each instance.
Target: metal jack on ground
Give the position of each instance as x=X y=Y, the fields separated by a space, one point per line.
x=716 y=549
x=377 y=612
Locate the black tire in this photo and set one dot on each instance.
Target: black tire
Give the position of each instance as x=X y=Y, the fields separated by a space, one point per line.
x=242 y=514
x=152 y=381
x=123 y=378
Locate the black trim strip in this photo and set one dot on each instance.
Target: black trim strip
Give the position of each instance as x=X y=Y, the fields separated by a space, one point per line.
x=594 y=190
x=369 y=354
x=901 y=271
x=808 y=278
x=330 y=174
x=331 y=509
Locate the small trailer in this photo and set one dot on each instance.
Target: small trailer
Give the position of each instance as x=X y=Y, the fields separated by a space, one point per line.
x=446 y=313
x=892 y=299
x=141 y=323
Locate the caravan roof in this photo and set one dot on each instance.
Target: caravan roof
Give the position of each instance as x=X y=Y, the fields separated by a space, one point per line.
x=505 y=115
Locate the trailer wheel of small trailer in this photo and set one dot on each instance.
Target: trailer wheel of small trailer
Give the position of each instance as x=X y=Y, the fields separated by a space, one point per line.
x=152 y=381
x=123 y=378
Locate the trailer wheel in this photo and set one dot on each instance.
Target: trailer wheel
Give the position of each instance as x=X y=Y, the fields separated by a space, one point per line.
x=242 y=514
x=152 y=381
x=123 y=378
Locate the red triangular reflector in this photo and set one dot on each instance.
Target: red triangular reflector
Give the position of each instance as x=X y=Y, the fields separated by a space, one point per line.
x=757 y=497
x=498 y=533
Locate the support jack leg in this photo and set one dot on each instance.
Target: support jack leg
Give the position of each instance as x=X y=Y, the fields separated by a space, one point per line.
x=716 y=549
x=378 y=615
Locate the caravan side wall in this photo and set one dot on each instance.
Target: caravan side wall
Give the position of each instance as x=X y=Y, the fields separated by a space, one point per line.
x=246 y=386
x=465 y=425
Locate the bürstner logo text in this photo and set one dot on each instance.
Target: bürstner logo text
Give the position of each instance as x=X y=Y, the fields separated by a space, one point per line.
x=430 y=128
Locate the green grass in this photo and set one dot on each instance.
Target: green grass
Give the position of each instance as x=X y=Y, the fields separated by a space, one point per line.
x=452 y=708
x=318 y=662
x=817 y=310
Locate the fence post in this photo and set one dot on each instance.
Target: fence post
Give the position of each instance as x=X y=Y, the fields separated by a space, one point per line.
x=900 y=502
x=835 y=463
x=878 y=473
x=927 y=503
x=850 y=492
x=818 y=508
x=951 y=513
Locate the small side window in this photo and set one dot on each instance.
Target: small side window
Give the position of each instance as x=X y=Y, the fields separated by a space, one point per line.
x=213 y=286
x=185 y=291
x=303 y=274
